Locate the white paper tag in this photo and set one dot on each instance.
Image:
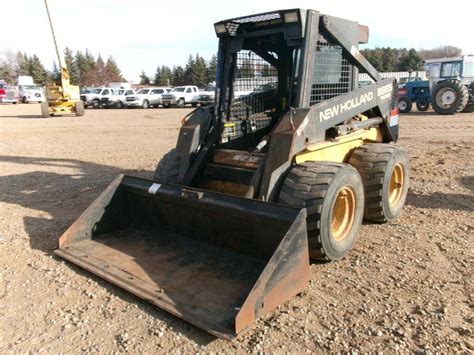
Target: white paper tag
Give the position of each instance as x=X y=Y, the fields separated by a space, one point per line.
x=153 y=188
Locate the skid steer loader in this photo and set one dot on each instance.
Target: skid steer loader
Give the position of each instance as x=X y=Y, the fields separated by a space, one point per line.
x=280 y=170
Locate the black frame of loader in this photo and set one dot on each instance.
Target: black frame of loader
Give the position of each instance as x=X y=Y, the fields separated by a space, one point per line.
x=302 y=124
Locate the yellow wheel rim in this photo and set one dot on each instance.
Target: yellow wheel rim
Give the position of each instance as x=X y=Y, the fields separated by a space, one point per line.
x=395 y=189
x=343 y=213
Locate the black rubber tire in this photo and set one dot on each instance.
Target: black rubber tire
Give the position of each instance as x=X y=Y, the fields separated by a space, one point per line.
x=45 y=109
x=469 y=107
x=167 y=170
x=375 y=163
x=119 y=104
x=24 y=100
x=79 y=108
x=460 y=101
x=405 y=104
x=180 y=103
x=422 y=105
x=315 y=185
x=96 y=104
x=145 y=104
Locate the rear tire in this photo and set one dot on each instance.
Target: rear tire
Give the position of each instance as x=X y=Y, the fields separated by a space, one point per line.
x=385 y=172
x=334 y=199
x=449 y=97
x=44 y=109
x=422 y=105
x=79 y=108
x=168 y=168
x=405 y=104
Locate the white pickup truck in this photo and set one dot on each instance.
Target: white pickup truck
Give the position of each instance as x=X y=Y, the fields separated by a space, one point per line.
x=181 y=96
x=92 y=97
x=146 y=97
x=117 y=98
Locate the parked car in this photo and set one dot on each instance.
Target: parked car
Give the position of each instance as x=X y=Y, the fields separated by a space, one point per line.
x=206 y=96
x=93 y=96
x=181 y=96
x=146 y=97
x=9 y=94
x=117 y=98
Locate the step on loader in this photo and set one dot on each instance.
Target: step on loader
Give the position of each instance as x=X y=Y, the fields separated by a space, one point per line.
x=281 y=170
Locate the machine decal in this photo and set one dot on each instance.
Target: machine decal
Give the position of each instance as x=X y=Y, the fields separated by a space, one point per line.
x=346 y=106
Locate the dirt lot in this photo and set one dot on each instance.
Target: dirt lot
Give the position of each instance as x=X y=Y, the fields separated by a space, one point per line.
x=406 y=285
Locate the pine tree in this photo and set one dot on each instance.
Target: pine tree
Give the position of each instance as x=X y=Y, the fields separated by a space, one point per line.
x=157 y=75
x=55 y=74
x=144 y=79
x=178 y=76
x=188 y=70
x=112 y=70
x=74 y=73
x=212 y=68
x=199 y=72
x=37 y=71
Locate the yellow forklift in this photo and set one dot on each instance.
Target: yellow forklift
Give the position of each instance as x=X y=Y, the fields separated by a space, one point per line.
x=63 y=98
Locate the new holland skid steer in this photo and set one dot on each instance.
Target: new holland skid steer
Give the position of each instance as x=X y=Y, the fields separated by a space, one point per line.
x=64 y=98
x=280 y=170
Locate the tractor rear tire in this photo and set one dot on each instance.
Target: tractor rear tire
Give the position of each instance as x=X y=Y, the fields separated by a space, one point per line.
x=45 y=109
x=405 y=105
x=333 y=195
x=449 y=97
x=79 y=108
x=385 y=172
x=167 y=170
x=422 y=105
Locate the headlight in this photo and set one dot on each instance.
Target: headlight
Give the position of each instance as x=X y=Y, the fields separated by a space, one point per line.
x=291 y=17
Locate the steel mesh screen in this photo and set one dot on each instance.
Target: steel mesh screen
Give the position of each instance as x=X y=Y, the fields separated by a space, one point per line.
x=332 y=74
x=254 y=95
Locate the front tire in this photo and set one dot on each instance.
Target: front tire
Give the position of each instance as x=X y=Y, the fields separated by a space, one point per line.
x=45 y=109
x=422 y=105
x=168 y=168
x=449 y=97
x=334 y=199
x=405 y=105
x=385 y=172
x=79 y=108
x=180 y=103
x=96 y=104
x=119 y=104
x=145 y=104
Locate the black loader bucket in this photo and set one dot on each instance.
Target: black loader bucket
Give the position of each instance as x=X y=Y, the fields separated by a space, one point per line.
x=215 y=260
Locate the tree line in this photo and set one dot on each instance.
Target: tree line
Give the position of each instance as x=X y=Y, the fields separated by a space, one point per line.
x=84 y=68
x=87 y=70
x=386 y=59
x=197 y=71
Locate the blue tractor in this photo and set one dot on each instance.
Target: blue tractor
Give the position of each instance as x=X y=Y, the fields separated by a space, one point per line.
x=417 y=92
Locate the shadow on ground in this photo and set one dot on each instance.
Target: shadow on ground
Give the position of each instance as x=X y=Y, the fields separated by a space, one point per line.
x=460 y=202
x=60 y=198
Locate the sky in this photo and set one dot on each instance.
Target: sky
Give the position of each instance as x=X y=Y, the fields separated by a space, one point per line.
x=141 y=34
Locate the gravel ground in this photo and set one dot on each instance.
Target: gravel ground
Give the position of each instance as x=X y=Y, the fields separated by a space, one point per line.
x=406 y=285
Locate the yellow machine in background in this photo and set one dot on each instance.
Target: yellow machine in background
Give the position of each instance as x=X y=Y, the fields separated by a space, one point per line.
x=64 y=98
